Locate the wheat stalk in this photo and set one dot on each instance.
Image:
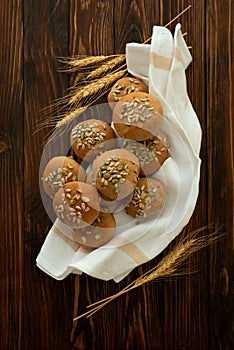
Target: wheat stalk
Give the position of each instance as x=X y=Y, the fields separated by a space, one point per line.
x=101 y=85
x=168 y=266
x=95 y=87
x=88 y=96
x=70 y=116
x=81 y=63
x=106 y=67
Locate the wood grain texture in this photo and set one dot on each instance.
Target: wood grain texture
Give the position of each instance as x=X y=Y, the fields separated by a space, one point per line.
x=45 y=39
x=11 y=168
x=220 y=167
x=191 y=312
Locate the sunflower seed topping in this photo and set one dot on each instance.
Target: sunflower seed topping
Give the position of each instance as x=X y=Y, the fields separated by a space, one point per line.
x=146 y=151
x=58 y=177
x=85 y=199
x=86 y=135
x=138 y=110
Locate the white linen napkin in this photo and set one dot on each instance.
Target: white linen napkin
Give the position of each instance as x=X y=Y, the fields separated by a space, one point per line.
x=161 y=66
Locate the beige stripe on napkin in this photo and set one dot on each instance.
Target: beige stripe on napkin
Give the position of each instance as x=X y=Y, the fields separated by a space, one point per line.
x=129 y=248
x=177 y=55
x=160 y=61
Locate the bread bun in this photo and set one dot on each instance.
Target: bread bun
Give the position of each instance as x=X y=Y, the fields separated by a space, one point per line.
x=77 y=204
x=97 y=234
x=151 y=154
x=123 y=87
x=116 y=173
x=59 y=171
x=148 y=198
x=92 y=137
x=136 y=115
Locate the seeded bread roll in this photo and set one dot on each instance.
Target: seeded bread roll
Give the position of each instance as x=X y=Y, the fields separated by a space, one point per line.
x=137 y=116
x=123 y=87
x=111 y=206
x=92 y=137
x=148 y=198
x=116 y=174
x=59 y=171
x=97 y=234
x=77 y=204
x=151 y=154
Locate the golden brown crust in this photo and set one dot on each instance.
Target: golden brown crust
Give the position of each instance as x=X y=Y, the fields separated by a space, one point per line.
x=151 y=154
x=124 y=87
x=117 y=152
x=59 y=171
x=116 y=205
x=137 y=116
x=97 y=234
x=148 y=198
x=92 y=137
x=116 y=173
x=77 y=204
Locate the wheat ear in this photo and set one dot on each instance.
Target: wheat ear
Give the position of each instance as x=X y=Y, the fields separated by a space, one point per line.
x=80 y=64
x=84 y=64
x=70 y=116
x=95 y=87
x=168 y=266
x=106 y=67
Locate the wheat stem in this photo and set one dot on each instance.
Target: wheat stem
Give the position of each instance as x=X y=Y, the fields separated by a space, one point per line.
x=166 y=267
x=174 y=19
x=108 y=63
x=70 y=116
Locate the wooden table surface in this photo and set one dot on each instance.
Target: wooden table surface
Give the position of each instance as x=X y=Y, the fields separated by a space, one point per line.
x=36 y=311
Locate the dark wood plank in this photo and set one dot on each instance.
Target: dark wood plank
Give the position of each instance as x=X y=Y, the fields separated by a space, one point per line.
x=47 y=313
x=220 y=167
x=195 y=297
x=11 y=170
x=134 y=21
x=91 y=29
x=93 y=35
